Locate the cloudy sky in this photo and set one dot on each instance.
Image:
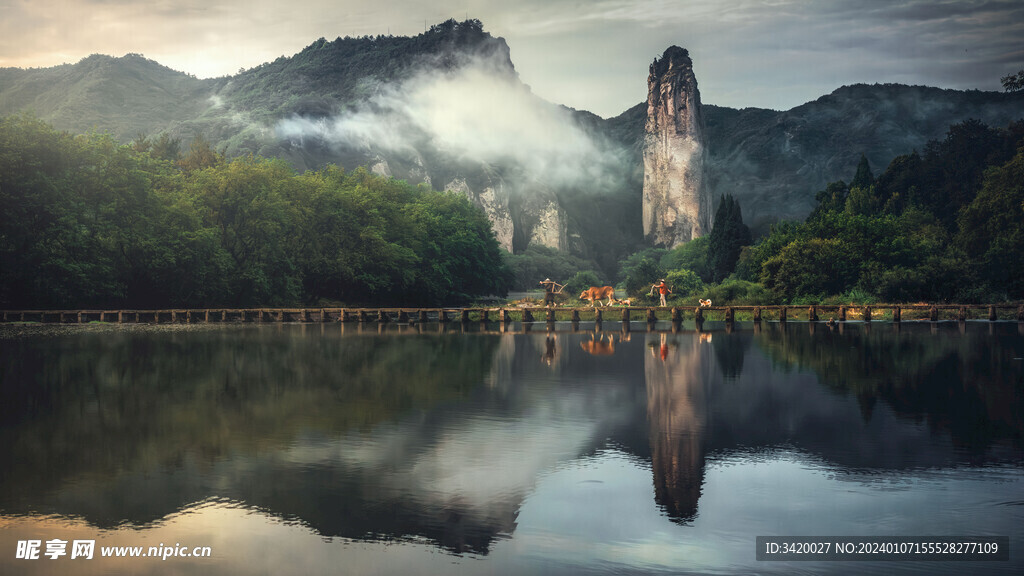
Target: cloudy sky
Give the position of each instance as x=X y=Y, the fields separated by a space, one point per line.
x=591 y=55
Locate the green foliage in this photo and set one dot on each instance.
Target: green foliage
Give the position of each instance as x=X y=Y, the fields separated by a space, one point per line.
x=642 y=276
x=991 y=230
x=684 y=282
x=581 y=281
x=88 y=222
x=863 y=178
x=896 y=238
x=692 y=255
x=539 y=262
x=739 y=293
x=629 y=264
x=728 y=236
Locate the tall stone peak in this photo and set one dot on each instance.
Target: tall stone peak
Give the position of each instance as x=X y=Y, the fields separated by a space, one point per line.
x=673 y=56
x=676 y=199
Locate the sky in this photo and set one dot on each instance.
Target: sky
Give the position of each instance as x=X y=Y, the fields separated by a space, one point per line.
x=591 y=55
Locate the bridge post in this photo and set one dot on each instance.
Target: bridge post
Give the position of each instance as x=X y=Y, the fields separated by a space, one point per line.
x=575 y=315
x=1020 y=313
x=464 y=316
x=933 y=314
x=962 y=314
x=897 y=314
x=842 y=313
x=812 y=314
x=483 y=316
x=991 y=313
x=698 y=314
x=503 y=314
x=782 y=314
x=677 y=315
x=651 y=318
x=527 y=315
x=730 y=314
x=403 y=317
x=597 y=315
x=551 y=315
x=757 y=313
x=867 y=313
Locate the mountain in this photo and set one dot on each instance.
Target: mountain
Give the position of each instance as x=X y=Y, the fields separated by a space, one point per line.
x=774 y=162
x=447 y=108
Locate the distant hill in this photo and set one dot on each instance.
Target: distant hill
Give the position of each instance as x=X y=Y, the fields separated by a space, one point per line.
x=545 y=174
x=774 y=162
x=123 y=96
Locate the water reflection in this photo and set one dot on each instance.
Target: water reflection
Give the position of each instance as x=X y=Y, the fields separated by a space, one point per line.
x=677 y=415
x=460 y=438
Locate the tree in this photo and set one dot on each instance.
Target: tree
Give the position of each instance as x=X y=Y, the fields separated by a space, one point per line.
x=200 y=153
x=692 y=255
x=581 y=281
x=728 y=236
x=684 y=282
x=863 y=178
x=991 y=228
x=641 y=277
x=1013 y=82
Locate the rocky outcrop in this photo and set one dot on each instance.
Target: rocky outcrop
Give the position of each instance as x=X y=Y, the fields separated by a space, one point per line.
x=550 y=229
x=494 y=202
x=676 y=199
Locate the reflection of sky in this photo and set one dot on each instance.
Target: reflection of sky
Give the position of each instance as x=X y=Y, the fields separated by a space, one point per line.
x=525 y=465
x=595 y=515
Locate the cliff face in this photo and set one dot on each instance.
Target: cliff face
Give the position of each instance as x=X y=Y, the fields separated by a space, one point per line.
x=676 y=200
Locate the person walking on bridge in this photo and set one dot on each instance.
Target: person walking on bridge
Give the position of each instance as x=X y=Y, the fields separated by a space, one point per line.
x=662 y=289
x=549 y=291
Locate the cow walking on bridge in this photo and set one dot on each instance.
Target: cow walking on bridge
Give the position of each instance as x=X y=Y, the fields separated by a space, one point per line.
x=595 y=294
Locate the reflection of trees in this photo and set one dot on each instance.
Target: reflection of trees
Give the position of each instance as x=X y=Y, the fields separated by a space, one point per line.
x=966 y=384
x=676 y=413
x=101 y=405
x=730 y=352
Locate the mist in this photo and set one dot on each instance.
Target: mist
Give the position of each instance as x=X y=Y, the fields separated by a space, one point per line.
x=477 y=114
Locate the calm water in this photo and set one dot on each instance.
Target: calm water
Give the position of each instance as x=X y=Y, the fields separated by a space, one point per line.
x=330 y=449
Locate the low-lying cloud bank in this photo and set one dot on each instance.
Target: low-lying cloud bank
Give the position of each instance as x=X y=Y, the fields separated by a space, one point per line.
x=477 y=114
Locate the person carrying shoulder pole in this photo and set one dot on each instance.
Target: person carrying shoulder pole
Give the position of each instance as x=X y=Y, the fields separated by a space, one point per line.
x=662 y=289
x=549 y=290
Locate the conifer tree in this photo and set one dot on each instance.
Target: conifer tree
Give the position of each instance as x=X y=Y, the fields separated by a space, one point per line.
x=728 y=236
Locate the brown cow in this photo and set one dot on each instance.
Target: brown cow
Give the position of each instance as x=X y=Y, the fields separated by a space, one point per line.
x=595 y=294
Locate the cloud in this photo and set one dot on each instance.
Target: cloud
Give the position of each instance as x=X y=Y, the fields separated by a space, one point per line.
x=591 y=55
x=477 y=114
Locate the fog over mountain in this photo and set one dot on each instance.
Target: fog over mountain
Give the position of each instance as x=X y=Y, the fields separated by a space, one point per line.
x=447 y=108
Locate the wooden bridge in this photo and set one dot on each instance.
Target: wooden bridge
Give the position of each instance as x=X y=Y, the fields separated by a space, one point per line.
x=814 y=313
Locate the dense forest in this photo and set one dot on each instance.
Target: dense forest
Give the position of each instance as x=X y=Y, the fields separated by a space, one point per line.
x=88 y=222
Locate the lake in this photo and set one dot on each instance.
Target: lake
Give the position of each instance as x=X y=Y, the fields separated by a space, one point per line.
x=439 y=449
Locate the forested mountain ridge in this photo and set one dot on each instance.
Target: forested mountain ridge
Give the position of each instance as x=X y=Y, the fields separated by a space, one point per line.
x=124 y=96
x=336 y=102
x=774 y=161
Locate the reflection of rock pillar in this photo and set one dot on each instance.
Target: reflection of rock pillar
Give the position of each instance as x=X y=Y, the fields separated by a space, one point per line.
x=676 y=414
